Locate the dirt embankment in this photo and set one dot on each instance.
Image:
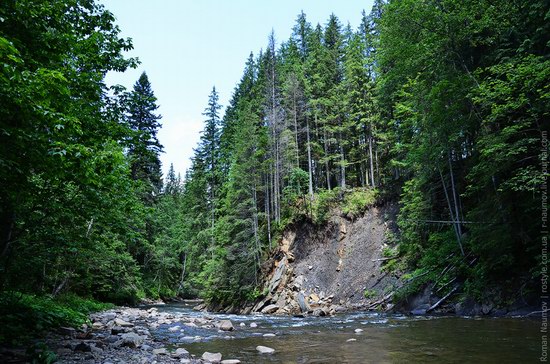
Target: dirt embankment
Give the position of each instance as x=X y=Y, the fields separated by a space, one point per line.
x=333 y=267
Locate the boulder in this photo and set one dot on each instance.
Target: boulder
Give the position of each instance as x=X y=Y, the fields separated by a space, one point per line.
x=82 y=346
x=67 y=331
x=265 y=349
x=212 y=357
x=160 y=351
x=319 y=312
x=279 y=272
x=302 y=302
x=226 y=325
x=115 y=330
x=108 y=316
x=180 y=353
x=270 y=309
x=314 y=298
x=122 y=323
x=418 y=311
x=132 y=340
x=97 y=325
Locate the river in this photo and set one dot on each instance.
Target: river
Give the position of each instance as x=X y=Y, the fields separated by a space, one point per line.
x=383 y=339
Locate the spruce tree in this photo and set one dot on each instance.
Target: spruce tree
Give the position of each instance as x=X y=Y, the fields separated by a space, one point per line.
x=144 y=147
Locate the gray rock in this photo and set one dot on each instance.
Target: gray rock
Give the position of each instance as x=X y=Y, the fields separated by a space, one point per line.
x=226 y=325
x=122 y=323
x=265 y=349
x=96 y=350
x=279 y=272
x=358 y=331
x=419 y=311
x=160 y=351
x=82 y=346
x=231 y=361
x=486 y=308
x=131 y=340
x=351 y=340
x=108 y=316
x=115 y=330
x=319 y=312
x=212 y=357
x=302 y=302
x=67 y=331
x=180 y=353
x=145 y=347
x=269 y=335
x=253 y=325
x=270 y=309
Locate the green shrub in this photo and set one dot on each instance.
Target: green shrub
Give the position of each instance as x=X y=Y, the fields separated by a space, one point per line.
x=370 y=294
x=356 y=202
x=24 y=316
x=322 y=203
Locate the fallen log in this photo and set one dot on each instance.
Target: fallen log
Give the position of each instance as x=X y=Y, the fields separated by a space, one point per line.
x=435 y=305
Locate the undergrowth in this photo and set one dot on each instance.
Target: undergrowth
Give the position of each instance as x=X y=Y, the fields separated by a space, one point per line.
x=24 y=316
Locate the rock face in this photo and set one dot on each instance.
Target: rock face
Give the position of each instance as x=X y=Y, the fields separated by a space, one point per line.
x=265 y=349
x=315 y=269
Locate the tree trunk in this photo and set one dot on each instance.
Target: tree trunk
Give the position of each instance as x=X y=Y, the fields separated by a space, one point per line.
x=455 y=198
x=458 y=237
x=371 y=162
x=309 y=163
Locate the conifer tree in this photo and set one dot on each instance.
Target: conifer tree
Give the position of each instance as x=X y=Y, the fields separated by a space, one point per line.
x=144 y=147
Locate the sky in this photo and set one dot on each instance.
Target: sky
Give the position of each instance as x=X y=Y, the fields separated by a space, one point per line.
x=188 y=46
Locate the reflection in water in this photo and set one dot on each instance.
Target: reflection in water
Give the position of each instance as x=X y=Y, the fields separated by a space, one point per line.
x=385 y=339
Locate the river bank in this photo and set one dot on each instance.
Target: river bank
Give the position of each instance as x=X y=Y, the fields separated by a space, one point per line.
x=175 y=333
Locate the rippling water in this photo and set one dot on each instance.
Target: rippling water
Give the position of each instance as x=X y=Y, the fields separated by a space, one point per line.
x=384 y=339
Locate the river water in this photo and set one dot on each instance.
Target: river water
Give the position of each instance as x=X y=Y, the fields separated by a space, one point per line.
x=384 y=339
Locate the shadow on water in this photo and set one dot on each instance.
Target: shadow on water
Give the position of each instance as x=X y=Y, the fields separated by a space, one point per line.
x=384 y=339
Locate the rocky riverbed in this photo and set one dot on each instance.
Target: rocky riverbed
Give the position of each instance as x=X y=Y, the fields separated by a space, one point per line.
x=124 y=335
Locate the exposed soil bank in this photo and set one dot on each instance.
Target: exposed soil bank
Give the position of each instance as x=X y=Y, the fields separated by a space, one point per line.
x=338 y=266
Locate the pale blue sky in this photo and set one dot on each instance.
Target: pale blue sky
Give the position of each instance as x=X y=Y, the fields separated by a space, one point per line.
x=186 y=47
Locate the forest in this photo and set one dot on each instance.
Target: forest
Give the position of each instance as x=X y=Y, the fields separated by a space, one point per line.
x=441 y=106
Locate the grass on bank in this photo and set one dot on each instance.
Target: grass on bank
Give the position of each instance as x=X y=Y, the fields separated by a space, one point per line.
x=25 y=316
